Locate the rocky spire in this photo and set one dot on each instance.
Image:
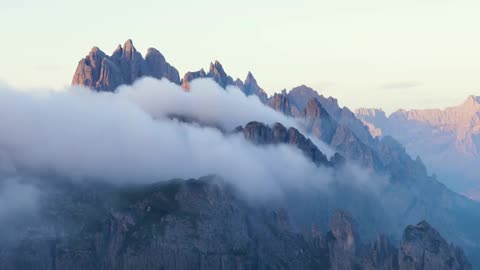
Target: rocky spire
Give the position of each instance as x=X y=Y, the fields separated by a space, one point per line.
x=239 y=83
x=158 y=67
x=314 y=109
x=218 y=74
x=110 y=76
x=88 y=69
x=319 y=121
x=190 y=76
x=280 y=102
x=104 y=73
x=251 y=87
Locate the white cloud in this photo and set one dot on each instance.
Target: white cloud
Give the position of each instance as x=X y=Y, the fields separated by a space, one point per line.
x=127 y=137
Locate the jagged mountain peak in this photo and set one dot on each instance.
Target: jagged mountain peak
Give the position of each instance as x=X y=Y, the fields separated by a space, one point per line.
x=303 y=89
x=153 y=51
x=251 y=87
x=216 y=66
x=96 y=51
x=101 y=72
x=250 y=76
x=218 y=74
x=128 y=45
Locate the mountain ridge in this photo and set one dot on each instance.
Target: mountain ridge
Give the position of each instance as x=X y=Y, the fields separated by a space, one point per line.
x=444 y=137
x=411 y=192
x=202 y=224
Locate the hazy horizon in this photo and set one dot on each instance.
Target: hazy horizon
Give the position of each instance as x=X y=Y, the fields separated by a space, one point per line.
x=369 y=54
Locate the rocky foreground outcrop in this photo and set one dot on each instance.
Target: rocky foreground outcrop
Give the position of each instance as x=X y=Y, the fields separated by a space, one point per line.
x=200 y=224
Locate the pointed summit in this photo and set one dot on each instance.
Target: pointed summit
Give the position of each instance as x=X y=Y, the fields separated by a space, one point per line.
x=89 y=69
x=129 y=45
x=250 y=77
x=218 y=74
x=251 y=87
x=104 y=73
x=96 y=52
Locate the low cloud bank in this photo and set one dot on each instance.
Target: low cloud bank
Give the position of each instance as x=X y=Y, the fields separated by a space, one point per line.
x=127 y=137
x=209 y=103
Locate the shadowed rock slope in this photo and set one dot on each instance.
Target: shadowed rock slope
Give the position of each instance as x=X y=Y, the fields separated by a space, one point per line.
x=262 y=134
x=198 y=224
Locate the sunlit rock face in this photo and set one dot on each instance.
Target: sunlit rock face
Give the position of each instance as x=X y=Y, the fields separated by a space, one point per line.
x=447 y=140
x=105 y=73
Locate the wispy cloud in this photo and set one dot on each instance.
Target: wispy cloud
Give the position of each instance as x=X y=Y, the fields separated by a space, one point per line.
x=401 y=85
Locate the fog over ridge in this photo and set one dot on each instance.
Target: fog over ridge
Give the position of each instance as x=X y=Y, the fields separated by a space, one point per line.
x=84 y=134
x=127 y=137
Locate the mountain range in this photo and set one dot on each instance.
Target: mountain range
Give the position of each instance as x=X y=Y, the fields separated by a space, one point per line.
x=448 y=140
x=205 y=224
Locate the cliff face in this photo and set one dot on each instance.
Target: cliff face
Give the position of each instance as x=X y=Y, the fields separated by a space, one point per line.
x=262 y=134
x=251 y=87
x=194 y=224
x=105 y=73
x=422 y=247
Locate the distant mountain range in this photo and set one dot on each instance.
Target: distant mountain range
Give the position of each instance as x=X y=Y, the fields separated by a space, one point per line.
x=447 y=140
x=155 y=226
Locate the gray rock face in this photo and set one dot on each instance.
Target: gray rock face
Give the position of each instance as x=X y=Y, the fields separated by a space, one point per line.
x=89 y=68
x=250 y=87
x=215 y=72
x=343 y=241
x=423 y=248
x=280 y=102
x=319 y=121
x=380 y=254
x=130 y=61
x=158 y=67
x=190 y=76
x=219 y=75
x=192 y=224
x=301 y=95
x=105 y=73
x=260 y=133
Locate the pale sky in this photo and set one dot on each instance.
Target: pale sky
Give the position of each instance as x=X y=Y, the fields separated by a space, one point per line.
x=370 y=53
